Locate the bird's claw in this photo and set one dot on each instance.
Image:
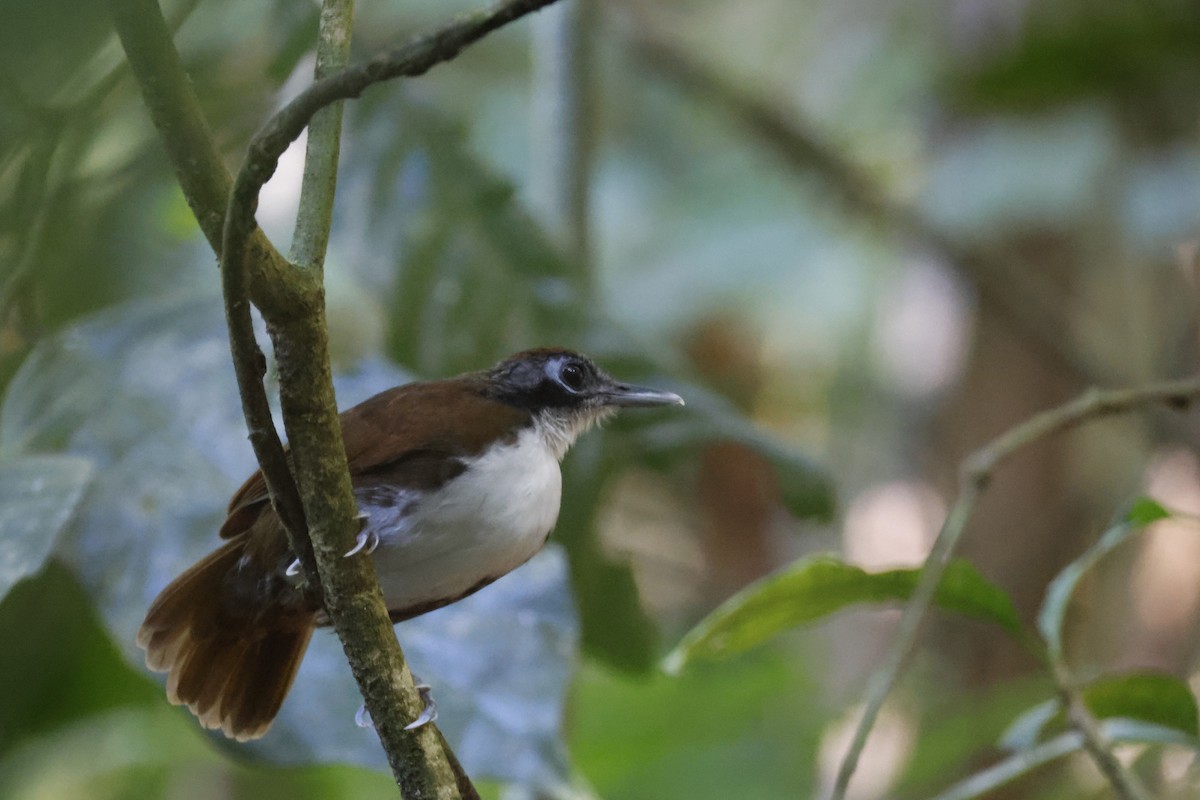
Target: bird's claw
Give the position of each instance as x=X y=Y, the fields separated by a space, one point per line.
x=293 y=569
x=367 y=540
x=429 y=713
x=362 y=717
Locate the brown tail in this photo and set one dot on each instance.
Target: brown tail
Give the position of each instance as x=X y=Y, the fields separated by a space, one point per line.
x=230 y=654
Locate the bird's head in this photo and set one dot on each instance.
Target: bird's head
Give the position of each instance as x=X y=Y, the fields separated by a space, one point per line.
x=566 y=392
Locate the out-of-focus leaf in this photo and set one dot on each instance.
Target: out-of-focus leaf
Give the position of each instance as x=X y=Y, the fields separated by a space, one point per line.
x=117 y=748
x=37 y=497
x=58 y=662
x=147 y=393
x=1161 y=700
x=1026 y=729
x=1013 y=767
x=1122 y=49
x=1131 y=730
x=1058 y=595
x=955 y=729
x=1025 y=761
x=727 y=732
x=1144 y=510
x=805 y=487
x=814 y=588
x=615 y=628
x=58 y=33
x=477 y=277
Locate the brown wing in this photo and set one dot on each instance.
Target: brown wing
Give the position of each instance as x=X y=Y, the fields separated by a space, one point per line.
x=404 y=436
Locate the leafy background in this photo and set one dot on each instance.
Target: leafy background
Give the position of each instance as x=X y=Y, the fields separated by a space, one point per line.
x=860 y=238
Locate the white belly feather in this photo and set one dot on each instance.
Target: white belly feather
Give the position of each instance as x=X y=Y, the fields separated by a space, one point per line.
x=486 y=522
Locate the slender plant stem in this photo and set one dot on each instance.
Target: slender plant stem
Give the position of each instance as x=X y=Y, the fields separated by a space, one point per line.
x=975 y=474
x=309 y=244
x=315 y=215
x=1125 y=785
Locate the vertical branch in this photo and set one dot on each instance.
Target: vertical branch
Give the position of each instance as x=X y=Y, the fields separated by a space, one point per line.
x=315 y=215
x=419 y=762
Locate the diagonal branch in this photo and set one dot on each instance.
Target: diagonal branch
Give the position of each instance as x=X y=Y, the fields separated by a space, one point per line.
x=975 y=474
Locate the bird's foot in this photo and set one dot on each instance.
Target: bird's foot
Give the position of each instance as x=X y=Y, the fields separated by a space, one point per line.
x=367 y=540
x=428 y=713
x=362 y=718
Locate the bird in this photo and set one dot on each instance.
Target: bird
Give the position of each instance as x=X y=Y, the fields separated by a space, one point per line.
x=457 y=482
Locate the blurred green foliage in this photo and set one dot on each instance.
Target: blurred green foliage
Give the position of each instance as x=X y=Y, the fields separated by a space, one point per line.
x=1119 y=50
x=438 y=265
x=816 y=587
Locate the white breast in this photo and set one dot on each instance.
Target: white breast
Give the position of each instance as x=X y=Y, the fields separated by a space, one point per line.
x=486 y=522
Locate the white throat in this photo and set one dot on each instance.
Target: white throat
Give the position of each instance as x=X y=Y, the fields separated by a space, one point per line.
x=559 y=431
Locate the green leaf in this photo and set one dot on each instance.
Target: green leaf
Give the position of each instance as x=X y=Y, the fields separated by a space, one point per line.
x=1144 y=510
x=729 y=732
x=1027 y=728
x=1058 y=594
x=1133 y=53
x=1162 y=700
x=814 y=588
x=615 y=628
x=38 y=494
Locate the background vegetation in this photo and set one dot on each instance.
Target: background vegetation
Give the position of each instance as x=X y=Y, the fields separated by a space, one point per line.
x=863 y=239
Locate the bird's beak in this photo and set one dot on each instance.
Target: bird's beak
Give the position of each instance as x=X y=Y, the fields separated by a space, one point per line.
x=627 y=395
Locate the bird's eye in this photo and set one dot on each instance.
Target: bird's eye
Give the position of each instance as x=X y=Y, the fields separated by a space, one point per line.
x=572 y=376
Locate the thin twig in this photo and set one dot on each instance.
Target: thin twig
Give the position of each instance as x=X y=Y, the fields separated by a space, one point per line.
x=974 y=476
x=409 y=60
x=1124 y=783
x=314 y=216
